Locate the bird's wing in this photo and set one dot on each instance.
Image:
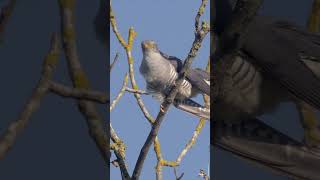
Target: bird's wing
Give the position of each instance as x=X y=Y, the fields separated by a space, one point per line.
x=192 y=107
x=278 y=53
x=197 y=77
x=176 y=62
x=200 y=79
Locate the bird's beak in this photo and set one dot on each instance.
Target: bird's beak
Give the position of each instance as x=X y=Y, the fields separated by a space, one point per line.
x=146 y=45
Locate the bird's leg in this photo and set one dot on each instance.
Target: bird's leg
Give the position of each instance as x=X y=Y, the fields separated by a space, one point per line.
x=310 y=125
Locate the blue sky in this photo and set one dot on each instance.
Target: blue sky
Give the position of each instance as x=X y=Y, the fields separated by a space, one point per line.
x=171 y=25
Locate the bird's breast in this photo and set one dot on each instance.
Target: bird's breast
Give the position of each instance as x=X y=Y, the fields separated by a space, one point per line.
x=160 y=76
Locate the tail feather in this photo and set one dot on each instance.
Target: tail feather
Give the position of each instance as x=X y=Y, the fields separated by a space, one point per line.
x=192 y=107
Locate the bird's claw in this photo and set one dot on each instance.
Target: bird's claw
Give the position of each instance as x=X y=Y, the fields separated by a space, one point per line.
x=162 y=108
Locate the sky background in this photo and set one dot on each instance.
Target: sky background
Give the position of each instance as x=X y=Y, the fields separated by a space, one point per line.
x=55 y=144
x=171 y=25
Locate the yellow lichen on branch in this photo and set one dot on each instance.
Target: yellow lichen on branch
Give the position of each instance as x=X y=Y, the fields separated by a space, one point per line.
x=80 y=80
x=314 y=19
x=115 y=29
x=131 y=36
x=69 y=4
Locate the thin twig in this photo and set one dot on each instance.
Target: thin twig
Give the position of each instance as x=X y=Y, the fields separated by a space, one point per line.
x=115 y=59
x=15 y=128
x=115 y=29
x=176 y=175
x=70 y=92
x=193 y=139
x=121 y=92
x=137 y=91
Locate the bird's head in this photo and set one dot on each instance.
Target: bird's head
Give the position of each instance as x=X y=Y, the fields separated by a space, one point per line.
x=149 y=46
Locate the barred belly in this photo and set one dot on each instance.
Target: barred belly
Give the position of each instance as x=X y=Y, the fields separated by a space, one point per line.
x=242 y=95
x=160 y=89
x=185 y=90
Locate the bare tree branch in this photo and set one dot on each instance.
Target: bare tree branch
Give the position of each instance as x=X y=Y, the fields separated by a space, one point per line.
x=138 y=91
x=15 y=128
x=76 y=93
x=120 y=94
x=115 y=59
x=95 y=122
x=119 y=149
x=177 y=177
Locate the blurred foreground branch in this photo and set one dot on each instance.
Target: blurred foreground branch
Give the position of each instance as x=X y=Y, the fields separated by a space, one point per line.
x=253 y=140
x=5 y=14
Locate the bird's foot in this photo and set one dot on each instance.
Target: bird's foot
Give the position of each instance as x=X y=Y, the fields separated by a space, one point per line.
x=162 y=108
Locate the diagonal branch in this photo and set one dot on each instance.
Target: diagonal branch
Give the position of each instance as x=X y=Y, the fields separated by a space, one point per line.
x=115 y=59
x=15 y=128
x=120 y=94
x=119 y=150
x=97 y=129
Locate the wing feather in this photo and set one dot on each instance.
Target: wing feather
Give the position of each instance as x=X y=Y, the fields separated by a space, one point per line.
x=277 y=52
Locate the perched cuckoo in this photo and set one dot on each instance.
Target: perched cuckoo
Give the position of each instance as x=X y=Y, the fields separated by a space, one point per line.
x=278 y=62
x=161 y=71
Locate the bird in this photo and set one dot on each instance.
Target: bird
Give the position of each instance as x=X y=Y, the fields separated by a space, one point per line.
x=161 y=71
x=278 y=62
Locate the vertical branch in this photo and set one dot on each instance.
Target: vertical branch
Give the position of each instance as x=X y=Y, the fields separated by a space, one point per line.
x=157 y=150
x=314 y=18
x=79 y=78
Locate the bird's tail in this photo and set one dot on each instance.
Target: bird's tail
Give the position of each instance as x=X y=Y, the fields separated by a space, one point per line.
x=192 y=107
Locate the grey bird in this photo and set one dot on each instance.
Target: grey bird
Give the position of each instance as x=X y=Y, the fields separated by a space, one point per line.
x=161 y=71
x=278 y=62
